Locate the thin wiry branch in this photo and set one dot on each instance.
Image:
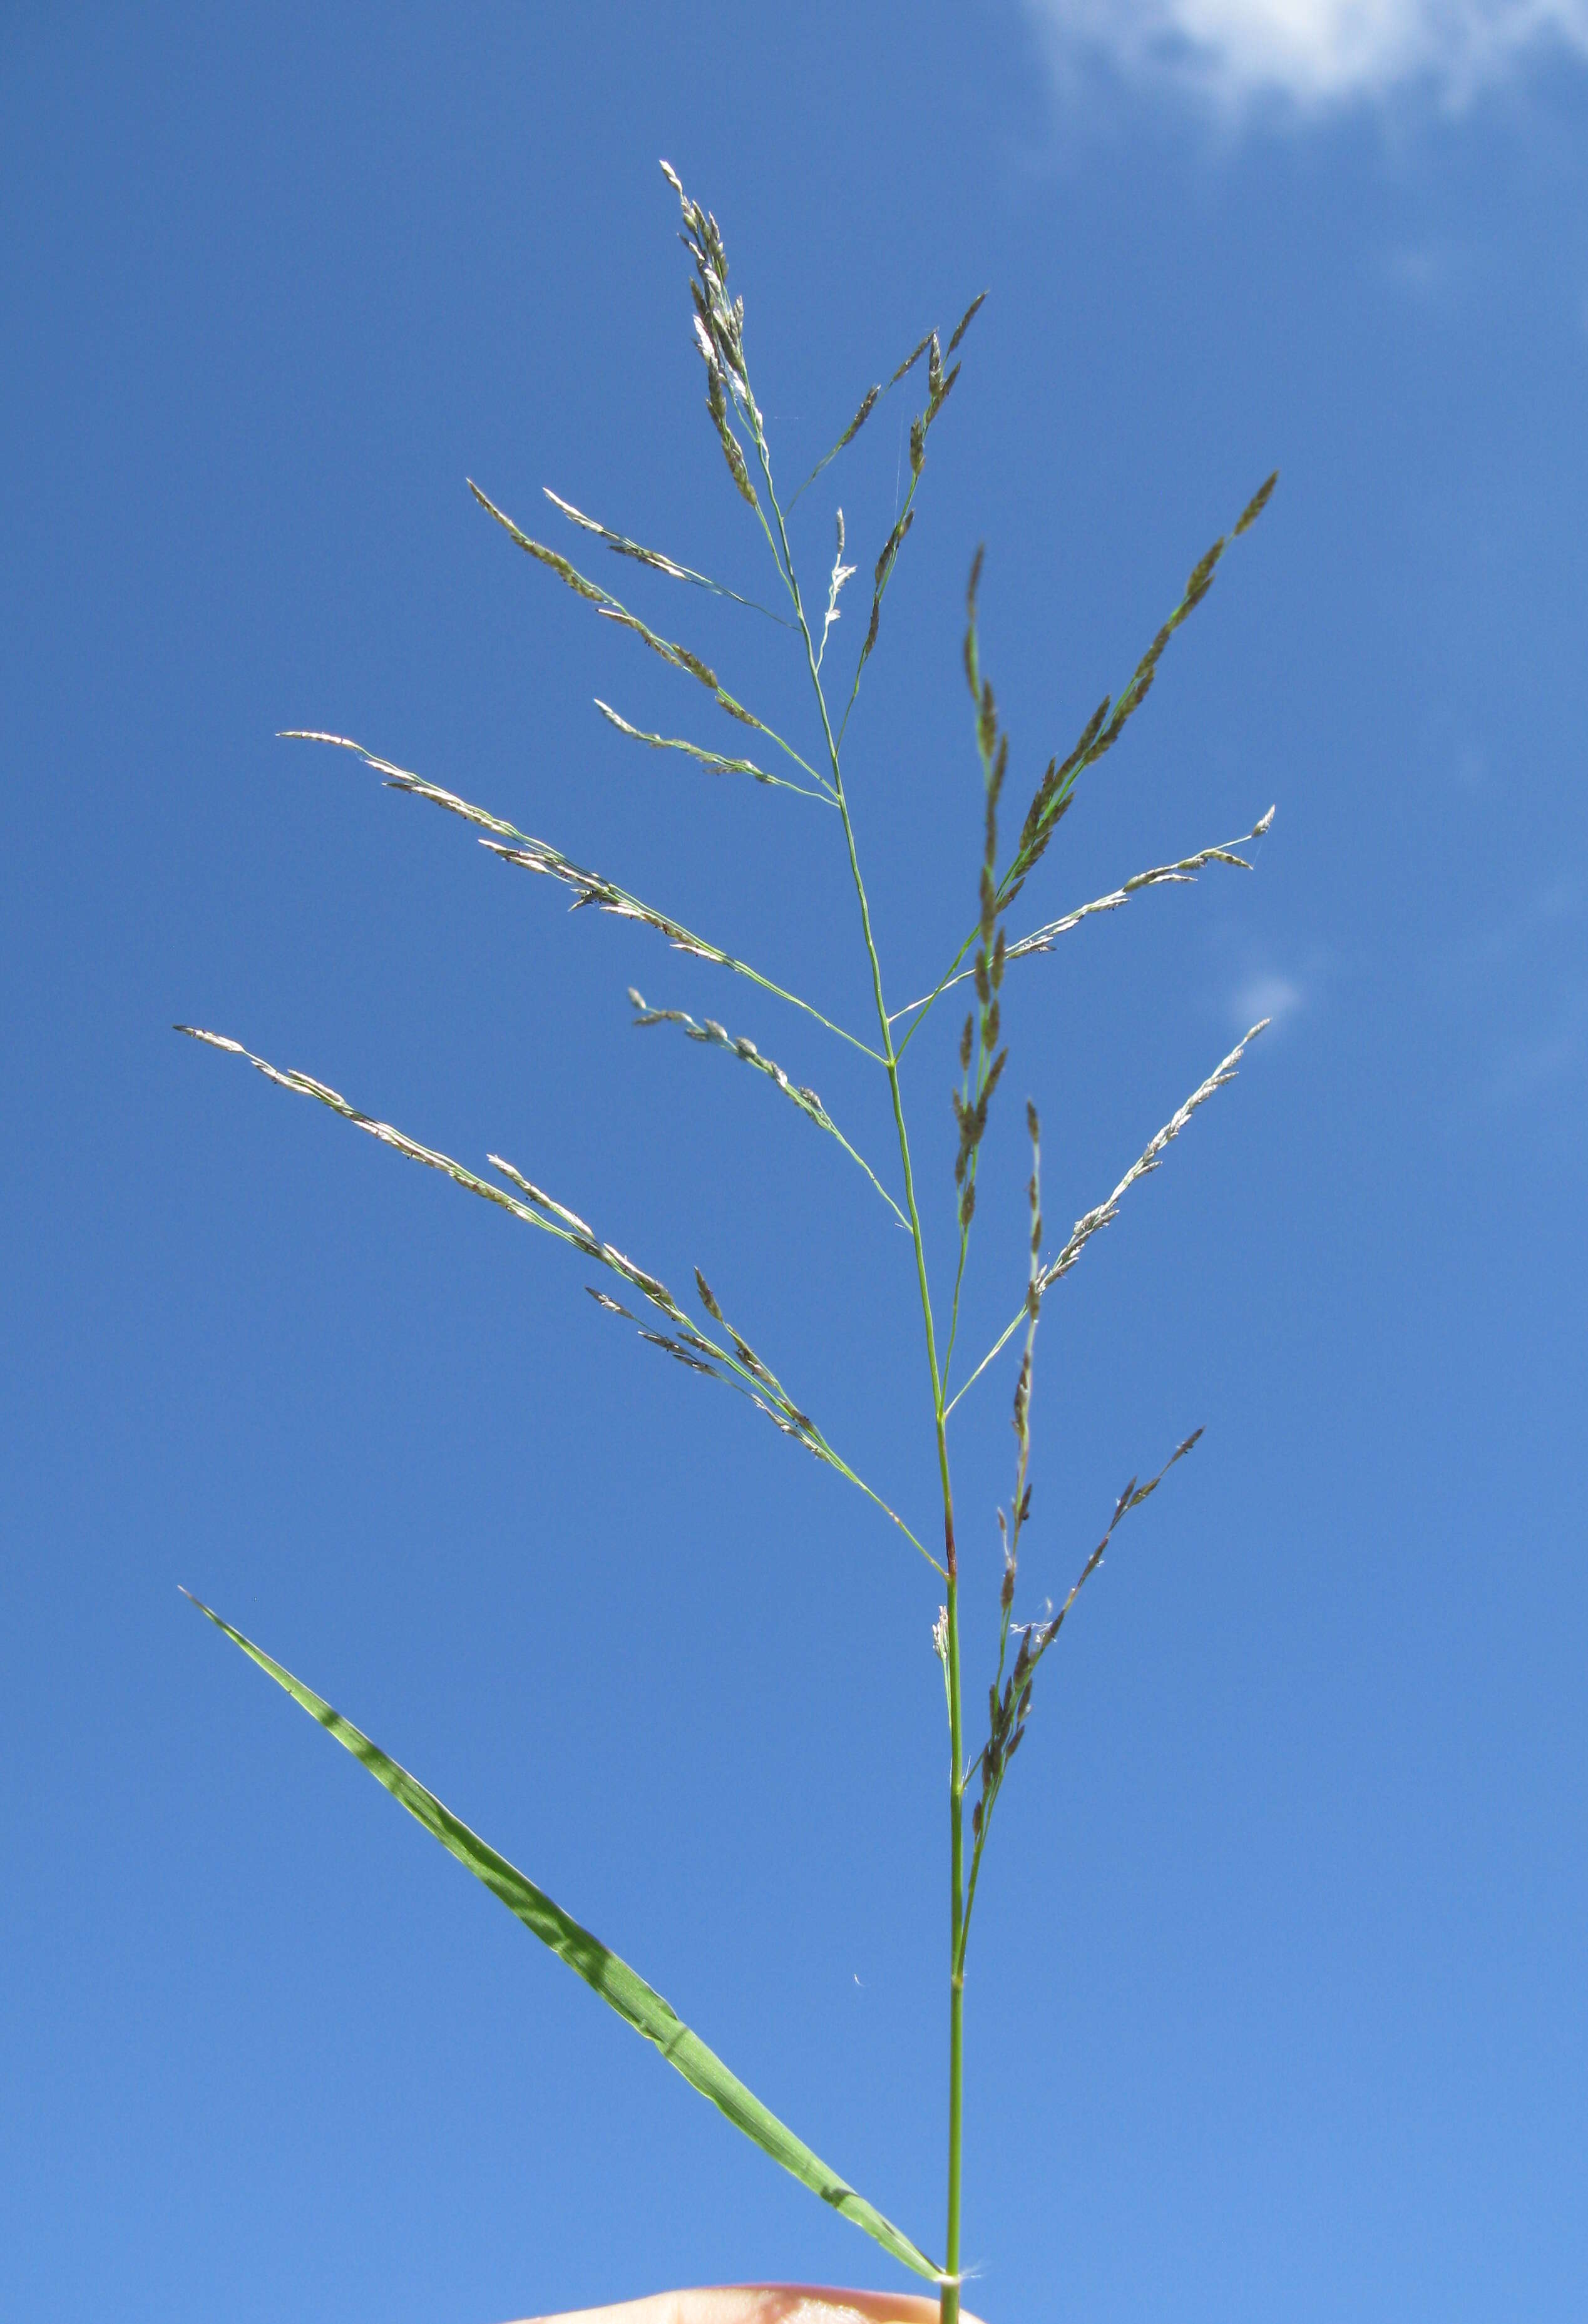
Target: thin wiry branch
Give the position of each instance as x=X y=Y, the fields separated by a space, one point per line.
x=712 y=761
x=1180 y=874
x=939 y=387
x=739 y=1366
x=1039 y=1636
x=588 y=887
x=1102 y=730
x=611 y=610
x=1107 y=1212
x=540 y=1209
x=622 y=546
x=1009 y=1700
x=879 y=394
x=806 y=1100
x=1184 y=872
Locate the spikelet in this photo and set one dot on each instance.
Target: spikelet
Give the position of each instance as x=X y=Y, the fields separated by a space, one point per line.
x=1255 y=505
x=883 y=573
x=868 y=404
x=911 y=359
x=967 y=320
x=717 y=404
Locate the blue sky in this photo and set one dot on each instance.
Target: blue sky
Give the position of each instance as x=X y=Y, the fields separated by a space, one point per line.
x=1276 y=2002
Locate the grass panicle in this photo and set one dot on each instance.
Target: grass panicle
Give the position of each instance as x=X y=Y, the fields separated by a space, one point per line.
x=538 y=1208
x=719 y=336
x=939 y=386
x=1009 y=1699
x=703 y=1342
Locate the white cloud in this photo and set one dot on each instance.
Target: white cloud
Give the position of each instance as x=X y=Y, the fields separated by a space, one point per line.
x=1315 y=54
x=1274 y=997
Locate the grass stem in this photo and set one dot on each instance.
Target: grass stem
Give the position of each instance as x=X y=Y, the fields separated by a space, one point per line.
x=949 y=2301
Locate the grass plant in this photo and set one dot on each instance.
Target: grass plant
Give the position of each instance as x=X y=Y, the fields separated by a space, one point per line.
x=699 y=1336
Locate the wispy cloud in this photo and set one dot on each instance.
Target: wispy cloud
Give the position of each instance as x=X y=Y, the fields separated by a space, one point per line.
x=1266 y=995
x=1512 y=988
x=1542 y=1053
x=1559 y=903
x=1435 y=275
x=1315 y=55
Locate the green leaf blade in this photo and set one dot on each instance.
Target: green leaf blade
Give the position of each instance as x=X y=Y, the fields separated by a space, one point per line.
x=622 y=1988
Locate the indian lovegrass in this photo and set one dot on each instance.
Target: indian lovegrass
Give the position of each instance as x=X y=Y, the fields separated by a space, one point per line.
x=704 y=1343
